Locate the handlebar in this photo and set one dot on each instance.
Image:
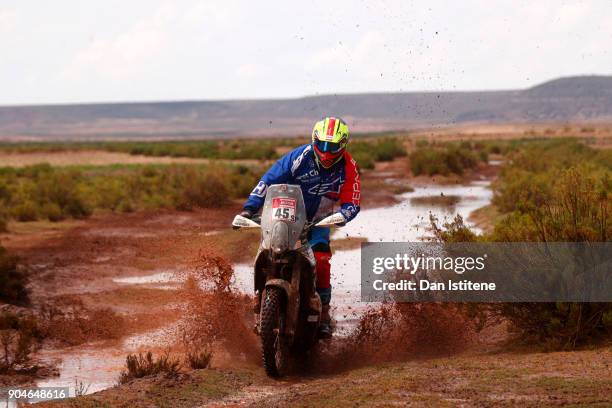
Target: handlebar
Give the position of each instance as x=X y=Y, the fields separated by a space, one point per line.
x=336 y=219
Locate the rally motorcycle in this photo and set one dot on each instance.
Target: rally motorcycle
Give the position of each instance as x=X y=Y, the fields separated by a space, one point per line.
x=287 y=306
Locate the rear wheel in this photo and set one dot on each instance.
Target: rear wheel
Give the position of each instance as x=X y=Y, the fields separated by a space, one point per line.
x=275 y=352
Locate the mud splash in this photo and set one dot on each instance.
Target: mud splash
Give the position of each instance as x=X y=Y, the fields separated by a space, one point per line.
x=217 y=318
x=395 y=332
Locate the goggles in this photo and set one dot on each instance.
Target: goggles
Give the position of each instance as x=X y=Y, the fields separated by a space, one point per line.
x=328 y=147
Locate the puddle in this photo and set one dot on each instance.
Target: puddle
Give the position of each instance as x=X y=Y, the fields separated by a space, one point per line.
x=159 y=277
x=97 y=365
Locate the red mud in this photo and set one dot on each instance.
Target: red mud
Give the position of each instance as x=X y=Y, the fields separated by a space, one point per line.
x=221 y=320
x=218 y=319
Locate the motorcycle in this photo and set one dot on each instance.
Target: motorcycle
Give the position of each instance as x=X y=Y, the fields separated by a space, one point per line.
x=287 y=306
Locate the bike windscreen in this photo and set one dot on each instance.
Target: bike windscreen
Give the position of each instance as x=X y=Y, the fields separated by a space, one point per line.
x=284 y=204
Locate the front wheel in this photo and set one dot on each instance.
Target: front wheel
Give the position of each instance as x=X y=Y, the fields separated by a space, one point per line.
x=275 y=352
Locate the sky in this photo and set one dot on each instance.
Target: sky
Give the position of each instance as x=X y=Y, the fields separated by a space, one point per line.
x=67 y=51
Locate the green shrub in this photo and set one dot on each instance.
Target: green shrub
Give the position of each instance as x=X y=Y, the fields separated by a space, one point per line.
x=58 y=193
x=554 y=191
x=443 y=161
x=26 y=211
x=53 y=212
x=208 y=192
x=366 y=153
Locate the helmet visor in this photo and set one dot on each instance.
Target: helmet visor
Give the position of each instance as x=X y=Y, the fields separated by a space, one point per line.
x=328 y=147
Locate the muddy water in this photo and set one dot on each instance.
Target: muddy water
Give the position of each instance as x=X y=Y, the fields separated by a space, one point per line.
x=98 y=365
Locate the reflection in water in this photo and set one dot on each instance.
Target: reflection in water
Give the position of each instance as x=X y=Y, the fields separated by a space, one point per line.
x=159 y=277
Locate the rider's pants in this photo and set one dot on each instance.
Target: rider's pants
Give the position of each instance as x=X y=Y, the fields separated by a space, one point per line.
x=319 y=241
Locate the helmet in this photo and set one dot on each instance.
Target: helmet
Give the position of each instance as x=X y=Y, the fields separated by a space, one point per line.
x=329 y=140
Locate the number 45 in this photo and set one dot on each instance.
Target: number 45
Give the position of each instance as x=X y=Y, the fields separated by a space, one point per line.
x=282 y=213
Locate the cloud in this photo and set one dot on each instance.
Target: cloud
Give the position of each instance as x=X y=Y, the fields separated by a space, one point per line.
x=164 y=49
x=249 y=71
x=213 y=14
x=125 y=55
x=8 y=20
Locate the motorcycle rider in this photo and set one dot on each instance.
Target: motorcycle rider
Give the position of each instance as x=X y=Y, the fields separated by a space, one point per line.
x=327 y=174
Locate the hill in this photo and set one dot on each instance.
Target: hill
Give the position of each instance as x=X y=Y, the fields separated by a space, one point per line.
x=571 y=99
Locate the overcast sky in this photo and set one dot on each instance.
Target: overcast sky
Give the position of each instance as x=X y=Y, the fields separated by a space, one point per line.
x=116 y=50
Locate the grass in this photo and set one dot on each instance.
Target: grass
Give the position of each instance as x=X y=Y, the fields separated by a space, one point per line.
x=499 y=379
x=145 y=365
x=193 y=389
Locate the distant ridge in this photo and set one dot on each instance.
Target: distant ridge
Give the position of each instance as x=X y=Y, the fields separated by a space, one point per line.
x=571 y=99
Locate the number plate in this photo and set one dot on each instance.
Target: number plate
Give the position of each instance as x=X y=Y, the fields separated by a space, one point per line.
x=283 y=209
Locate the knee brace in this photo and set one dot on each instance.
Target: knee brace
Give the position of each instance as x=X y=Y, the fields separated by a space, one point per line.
x=323 y=276
x=323 y=269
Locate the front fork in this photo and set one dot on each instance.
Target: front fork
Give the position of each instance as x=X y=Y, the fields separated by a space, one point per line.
x=291 y=289
x=256 y=311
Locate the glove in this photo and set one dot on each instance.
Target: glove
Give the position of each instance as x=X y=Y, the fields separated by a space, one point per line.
x=247 y=213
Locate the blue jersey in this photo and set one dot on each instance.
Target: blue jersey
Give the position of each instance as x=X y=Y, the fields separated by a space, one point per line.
x=321 y=187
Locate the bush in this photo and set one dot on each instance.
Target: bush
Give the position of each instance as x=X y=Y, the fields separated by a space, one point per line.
x=13 y=280
x=556 y=191
x=53 y=212
x=367 y=153
x=19 y=337
x=207 y=192
x=139 y=366
x=199 y=359
x=443 y=161
x=26 y=211
x=56 y=193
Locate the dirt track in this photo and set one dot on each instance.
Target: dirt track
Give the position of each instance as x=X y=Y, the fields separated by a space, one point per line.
x=98 y=158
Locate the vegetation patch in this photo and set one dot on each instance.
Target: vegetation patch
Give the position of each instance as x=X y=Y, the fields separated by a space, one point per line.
x=45 y=192
x=447 y=160
x=144 y=365
x=549 y=191
x=367 y=153
x=13 y=280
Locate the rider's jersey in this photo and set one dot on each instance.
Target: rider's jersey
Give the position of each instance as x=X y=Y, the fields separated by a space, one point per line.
x=321 y=187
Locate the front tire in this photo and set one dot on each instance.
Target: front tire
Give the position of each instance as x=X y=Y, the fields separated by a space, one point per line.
x=274 y=350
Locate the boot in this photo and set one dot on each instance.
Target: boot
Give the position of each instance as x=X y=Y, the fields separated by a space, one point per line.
x=325 y=331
